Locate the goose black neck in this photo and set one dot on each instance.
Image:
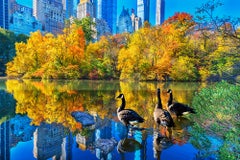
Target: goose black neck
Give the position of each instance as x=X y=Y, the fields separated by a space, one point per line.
x=159 y=104
x=122 y=105
x=170 y=99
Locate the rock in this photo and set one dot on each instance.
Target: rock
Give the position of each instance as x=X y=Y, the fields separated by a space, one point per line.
x=84 y=118
x=106 y=145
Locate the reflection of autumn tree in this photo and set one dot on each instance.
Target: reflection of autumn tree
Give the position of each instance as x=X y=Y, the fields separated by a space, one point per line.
x=54 y=101
x=44 y=102
x=141 y=101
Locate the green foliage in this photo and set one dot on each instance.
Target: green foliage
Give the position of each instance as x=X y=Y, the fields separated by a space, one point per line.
x=218 y=115
x=88 y=26
x=184 y=69
x=7 y=47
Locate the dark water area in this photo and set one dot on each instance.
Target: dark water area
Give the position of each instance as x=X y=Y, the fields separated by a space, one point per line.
x=36 y=121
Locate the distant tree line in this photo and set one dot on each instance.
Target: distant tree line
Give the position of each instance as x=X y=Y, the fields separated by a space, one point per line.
x=181 y=49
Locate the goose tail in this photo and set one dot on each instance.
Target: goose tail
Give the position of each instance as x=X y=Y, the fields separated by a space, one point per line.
x=192 y=111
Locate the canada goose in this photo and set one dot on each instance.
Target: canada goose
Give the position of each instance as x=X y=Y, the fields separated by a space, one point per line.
x=161 y=116
x=177 y=108
x=128 y=116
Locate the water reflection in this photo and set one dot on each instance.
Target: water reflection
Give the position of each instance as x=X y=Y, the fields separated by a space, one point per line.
x=39 y=117
x=49 y=141
x=160 y=143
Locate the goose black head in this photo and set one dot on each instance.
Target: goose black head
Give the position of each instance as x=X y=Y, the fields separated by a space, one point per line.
x=169 y=91
x=120 y=96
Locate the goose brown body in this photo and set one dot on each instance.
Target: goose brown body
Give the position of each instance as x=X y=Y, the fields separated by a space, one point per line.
x=127 y=116
x=161 y=116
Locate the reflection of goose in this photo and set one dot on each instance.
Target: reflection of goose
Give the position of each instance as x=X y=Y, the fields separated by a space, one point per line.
x=180 y=134
x=160 y=143
x=128 y=145
x=162 y=117
x=177 y=108
x=128 y=116
x=182 y=123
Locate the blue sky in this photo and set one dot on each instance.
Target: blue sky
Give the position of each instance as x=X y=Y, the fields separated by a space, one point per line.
x=229 y=8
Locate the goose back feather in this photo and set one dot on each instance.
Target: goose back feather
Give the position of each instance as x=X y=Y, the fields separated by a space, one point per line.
x=176 y=108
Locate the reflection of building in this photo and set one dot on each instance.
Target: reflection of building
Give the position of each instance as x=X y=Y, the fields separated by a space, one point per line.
x=160 y=9
x=5 y=141
x=103 y=132
x=50 y=14
x=4 y=17
x=85 y=141
x=49 y=141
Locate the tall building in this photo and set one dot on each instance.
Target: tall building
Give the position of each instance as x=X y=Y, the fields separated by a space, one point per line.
x=84 y=9
x=160 y=11
x=5 y=141
x=125 y=22
x=21 y=19
x=136 y=21
x=68 y=6
x=107 y=10
x=4 y=14
x=51 y=14
x=143 y=10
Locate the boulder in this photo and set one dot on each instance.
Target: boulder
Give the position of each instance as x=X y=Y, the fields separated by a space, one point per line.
x=106 y=145
x=84 y=118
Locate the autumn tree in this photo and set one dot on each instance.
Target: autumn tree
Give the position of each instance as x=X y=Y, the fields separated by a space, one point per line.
x=101 y=57
x=88 y=27
x=46 y=56
x=220 y=39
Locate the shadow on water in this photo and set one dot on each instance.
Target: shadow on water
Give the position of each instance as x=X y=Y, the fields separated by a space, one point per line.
x=44 y=124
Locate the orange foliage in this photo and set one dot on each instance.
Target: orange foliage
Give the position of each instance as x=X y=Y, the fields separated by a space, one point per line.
x=44 y=102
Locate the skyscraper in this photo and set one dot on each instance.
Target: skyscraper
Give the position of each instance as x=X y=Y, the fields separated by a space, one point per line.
x=51 y=14
x=21 y=20
x=5 y=141
x=4 y=14
x=125 y=22
x=68 y=6
x=160 y=11
x=84 y=9
x=143 y=10
x=107 y=10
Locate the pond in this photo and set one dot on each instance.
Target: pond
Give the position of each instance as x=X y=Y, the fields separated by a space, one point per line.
x=36 y=121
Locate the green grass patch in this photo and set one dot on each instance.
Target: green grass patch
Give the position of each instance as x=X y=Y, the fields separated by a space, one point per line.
x=218 y=115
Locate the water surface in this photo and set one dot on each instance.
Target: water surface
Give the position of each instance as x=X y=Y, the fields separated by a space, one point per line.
x=36 y=121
